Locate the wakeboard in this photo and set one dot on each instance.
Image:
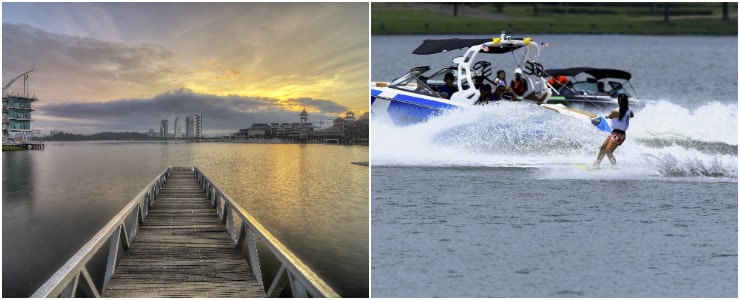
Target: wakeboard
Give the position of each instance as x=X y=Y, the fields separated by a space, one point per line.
x=585 y=167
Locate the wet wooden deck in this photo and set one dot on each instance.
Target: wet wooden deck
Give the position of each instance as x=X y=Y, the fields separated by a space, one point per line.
x=182 y=250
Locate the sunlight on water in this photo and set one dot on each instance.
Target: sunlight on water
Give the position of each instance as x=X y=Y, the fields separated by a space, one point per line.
x=664 y=140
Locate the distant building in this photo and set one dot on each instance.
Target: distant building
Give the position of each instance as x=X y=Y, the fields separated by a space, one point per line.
x=189 y=127
x=349 y=116
x=348 y=130
x=304 y=125
x=163 y=131
x=198 y=119
x=178 y=128
x=194 y=126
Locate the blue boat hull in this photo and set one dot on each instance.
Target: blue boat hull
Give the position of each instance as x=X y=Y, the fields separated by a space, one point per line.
x=404 y=109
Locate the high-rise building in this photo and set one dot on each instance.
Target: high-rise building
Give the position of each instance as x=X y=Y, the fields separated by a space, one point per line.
x=198 y=119
x=194 y=126
x=177 y=128
x=189 y=127
x=163 y=129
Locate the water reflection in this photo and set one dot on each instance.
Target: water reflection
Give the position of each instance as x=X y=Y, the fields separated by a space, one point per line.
x=308 y=196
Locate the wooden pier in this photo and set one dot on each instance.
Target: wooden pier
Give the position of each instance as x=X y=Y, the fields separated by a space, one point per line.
x=182 y=250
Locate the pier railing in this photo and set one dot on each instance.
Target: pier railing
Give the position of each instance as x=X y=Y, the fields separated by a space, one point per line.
x=245 y=230
x=75 y=278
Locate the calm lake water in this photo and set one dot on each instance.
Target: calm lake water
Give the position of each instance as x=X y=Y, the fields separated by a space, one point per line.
x=309 y=196
x=462 y=208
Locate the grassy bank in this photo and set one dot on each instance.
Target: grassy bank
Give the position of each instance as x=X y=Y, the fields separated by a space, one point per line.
x=12 y=148
x=554 y=18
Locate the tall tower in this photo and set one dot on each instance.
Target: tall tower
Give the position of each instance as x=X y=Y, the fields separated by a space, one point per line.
x=178 y=127
x=198 y=125
x=304 y=125
x=163 y=129
x=189 y=127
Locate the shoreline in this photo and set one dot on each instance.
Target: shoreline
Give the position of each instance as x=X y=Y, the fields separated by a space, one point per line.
x=572 y=18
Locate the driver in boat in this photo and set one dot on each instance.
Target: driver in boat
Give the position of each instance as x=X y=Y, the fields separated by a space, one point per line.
x=422 y=80
x=449 y=88
x=600 y=88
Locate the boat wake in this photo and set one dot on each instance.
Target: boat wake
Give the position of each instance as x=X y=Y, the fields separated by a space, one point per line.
x=664 y=141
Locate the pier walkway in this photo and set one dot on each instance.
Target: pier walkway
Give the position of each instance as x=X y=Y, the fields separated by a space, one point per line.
x=182 y=250
x=182 y=236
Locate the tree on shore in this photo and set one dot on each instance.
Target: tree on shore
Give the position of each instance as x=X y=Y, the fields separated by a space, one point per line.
x=665 y=12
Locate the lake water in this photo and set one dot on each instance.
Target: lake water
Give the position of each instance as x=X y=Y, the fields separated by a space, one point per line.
x=309 y=196
x=462 y=208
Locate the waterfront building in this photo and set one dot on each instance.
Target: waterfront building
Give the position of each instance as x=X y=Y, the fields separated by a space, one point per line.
x=189 y=127
x=343 y=131
x=349 y=116
x=193 y=126
x=198 y=119
x=17 y=111
x=304 y=125
x=177 y=128
x=163 y=129
x=17 y=116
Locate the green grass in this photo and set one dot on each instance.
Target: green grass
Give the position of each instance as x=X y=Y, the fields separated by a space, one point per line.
x=12 y=148
x=700 y=19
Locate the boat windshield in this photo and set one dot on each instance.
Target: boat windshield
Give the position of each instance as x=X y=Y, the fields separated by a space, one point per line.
x=591 y=87
x=414 y=81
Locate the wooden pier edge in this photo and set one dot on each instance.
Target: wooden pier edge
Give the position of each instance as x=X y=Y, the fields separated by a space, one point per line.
x=183 y=250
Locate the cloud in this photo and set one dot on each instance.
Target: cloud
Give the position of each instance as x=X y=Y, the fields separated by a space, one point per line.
x=83 y=68
x=221 y=114
x=236 y=63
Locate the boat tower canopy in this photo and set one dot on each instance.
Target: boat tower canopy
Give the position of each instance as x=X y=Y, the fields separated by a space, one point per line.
x=438 y=46
x=595 y=72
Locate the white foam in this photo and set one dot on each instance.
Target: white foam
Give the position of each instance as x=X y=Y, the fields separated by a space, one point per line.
x=516 y=135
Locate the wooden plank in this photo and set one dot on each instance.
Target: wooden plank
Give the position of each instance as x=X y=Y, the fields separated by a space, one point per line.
x=183 y=250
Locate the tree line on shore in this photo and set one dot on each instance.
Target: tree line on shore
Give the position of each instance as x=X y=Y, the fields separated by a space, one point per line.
x=65 y=136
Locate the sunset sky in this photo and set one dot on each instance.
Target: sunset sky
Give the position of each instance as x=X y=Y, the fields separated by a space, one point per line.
x=125 y=66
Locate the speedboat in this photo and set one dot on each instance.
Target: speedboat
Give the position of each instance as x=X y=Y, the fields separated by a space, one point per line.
x=415 y=97
x=591 y=89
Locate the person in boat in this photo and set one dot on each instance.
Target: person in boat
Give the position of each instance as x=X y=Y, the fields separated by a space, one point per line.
x=478 y=81
x=420 y=83
x=620 y=120
x=558 y=82
x=518 y=84
x=500 y=92
x=500 y=81
x=519 y=87
x=485 y=94
x=449 y=88
x=600 y=88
